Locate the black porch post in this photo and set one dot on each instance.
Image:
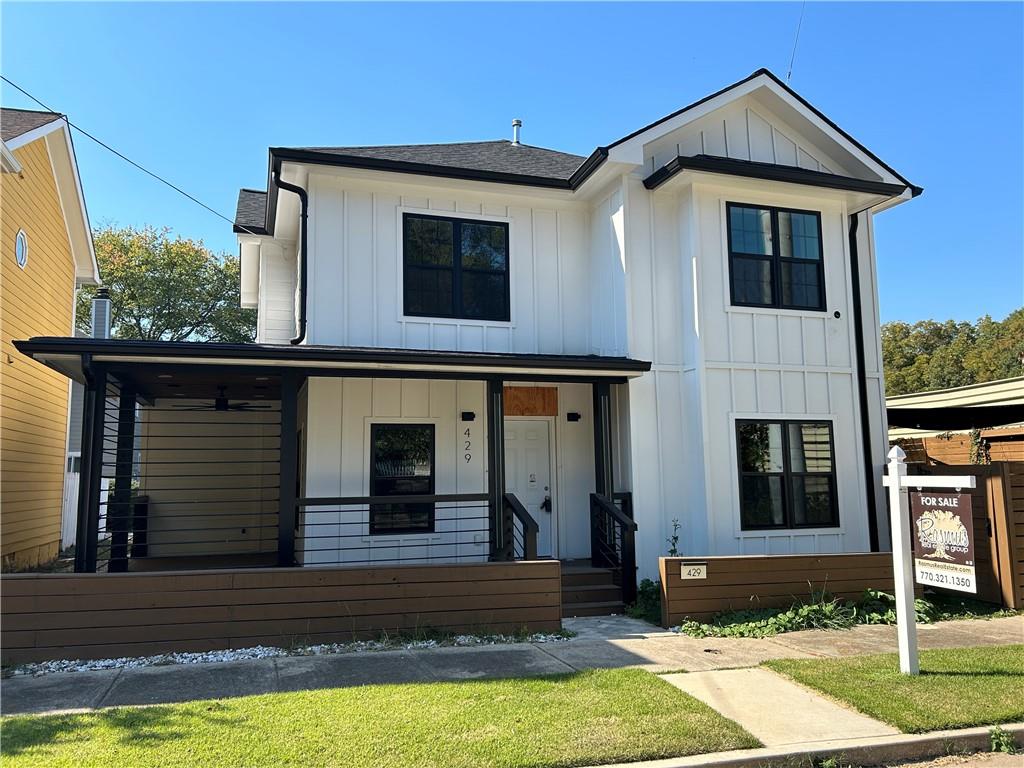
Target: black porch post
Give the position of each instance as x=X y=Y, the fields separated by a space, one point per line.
x=288 y=476
x=93 y=411
x=119 y=510
x=603 y=439
x=496 y=464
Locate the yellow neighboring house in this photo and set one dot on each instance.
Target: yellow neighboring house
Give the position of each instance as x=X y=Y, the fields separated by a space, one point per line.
x=46 y=253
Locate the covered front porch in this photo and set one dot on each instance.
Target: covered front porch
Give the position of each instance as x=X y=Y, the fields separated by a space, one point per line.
x=212 y=456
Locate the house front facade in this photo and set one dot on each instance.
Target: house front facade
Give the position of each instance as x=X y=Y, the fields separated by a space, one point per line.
x=490 y=350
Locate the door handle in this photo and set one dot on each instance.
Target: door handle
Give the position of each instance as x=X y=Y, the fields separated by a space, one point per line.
x=546 y=504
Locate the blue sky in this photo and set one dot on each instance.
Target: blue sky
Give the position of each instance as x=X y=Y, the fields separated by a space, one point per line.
x=197 y=92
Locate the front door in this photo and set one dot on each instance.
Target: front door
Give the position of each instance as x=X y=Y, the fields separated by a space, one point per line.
x=528 y=475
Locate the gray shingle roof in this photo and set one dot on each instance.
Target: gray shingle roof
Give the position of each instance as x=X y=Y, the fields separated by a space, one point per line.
x=491 y=156
x=15 y=122
x=485 y=156
x=251 y=211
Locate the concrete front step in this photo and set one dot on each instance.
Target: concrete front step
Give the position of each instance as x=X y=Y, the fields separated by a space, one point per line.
x=602 y=608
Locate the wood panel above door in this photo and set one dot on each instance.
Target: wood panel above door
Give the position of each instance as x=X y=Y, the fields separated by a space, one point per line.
x=531 y=401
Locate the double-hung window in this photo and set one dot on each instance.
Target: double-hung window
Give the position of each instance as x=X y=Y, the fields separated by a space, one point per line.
x=455 y=267
x=775 y=257
x=402 y=464
x=787 y=475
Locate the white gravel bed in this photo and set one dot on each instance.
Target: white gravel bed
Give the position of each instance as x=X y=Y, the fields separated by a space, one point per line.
x=268 y=652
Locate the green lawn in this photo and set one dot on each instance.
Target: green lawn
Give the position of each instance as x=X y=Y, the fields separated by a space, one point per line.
x=957 y=688
x=598 y=716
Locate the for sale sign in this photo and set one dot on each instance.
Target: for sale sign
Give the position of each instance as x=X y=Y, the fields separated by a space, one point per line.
x=943 y=540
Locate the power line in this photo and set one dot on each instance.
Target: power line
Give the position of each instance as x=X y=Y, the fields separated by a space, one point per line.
x=799 y=23
x=128 y=160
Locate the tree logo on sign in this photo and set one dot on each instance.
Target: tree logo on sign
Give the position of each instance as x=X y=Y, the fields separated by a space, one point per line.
x=942 y=532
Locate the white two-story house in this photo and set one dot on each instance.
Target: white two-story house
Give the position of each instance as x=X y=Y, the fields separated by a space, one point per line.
x=493 y=350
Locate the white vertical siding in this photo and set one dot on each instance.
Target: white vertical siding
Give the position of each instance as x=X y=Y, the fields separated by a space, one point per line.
x=713 y=363
x=336 y=419
x=355 y=290
x=275 y=322
x=743 y=130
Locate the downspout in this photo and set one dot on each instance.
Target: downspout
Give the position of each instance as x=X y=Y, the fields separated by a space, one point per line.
x=862 y=383
x=303 y=250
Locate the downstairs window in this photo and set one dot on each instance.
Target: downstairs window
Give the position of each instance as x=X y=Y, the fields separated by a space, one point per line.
x=787 y=475
x=402 y=464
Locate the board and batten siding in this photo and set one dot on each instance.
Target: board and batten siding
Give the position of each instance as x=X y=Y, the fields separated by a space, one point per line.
x=35 y=301
x=747 y=129
x=335 y=416
x=355 y=269
x=714 y=363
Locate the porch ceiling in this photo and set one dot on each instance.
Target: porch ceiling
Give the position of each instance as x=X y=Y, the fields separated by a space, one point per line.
x=242 y=363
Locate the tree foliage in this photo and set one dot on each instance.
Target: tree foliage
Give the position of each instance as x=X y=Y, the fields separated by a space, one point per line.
x=165 y=288
x=929 y=355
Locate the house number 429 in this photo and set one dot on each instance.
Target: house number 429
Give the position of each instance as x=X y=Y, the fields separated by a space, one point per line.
x=467 y=445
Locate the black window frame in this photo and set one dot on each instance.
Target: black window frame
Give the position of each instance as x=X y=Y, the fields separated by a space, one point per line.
x=457 y=270
x=776 y=259
x=375 y=509
x=787 y=476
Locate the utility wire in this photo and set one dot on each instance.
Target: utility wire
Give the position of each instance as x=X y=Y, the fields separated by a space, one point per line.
x=128 y=160
x=792 y=58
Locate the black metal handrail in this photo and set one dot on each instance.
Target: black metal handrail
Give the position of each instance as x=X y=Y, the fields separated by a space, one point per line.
x=613 y=540
x=522 y=539
x=344 y=501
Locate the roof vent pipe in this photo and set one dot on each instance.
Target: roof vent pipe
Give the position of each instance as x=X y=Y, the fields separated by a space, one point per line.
x=101 y=314
x=516 y=125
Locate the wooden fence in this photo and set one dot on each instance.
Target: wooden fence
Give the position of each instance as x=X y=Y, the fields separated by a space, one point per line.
x=1003 y=444
x=54 y=616
x=997 y=503
x=758 y=581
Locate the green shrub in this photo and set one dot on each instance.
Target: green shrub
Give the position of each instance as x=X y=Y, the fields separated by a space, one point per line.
x=648 y=602
x=822 y=611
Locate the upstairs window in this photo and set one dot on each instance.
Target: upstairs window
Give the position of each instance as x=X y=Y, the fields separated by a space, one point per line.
x=787 y=475
x=455 y=268
x=402 y=464
x=775 y=258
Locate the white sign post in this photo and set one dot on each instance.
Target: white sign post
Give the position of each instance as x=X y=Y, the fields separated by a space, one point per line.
x=898 y=482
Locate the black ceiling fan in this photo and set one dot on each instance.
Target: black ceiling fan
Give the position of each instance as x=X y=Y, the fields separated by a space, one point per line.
x=221 y=403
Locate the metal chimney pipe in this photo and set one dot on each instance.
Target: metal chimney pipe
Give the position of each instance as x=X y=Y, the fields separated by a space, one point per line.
x=516 y=125
x=101 y=314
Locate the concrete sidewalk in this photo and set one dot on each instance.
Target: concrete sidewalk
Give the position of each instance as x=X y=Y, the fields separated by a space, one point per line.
x=602 y=642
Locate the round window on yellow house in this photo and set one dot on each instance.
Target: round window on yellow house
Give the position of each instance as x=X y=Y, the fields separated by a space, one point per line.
x=21 y=248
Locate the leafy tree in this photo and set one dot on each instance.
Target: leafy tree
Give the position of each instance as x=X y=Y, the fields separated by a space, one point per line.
x=167 y=289
x=929 y=355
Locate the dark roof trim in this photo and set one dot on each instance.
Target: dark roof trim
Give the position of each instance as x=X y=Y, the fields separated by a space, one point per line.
x=915 y=190
x=688 y=107
x=285 y=353
x=281 y=154
x=955 y=418
x=770 y=172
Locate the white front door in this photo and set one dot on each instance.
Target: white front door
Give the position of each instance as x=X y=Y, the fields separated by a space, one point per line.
x=528 y=475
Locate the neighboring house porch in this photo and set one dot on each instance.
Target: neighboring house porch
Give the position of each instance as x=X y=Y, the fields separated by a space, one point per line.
x=229 y=456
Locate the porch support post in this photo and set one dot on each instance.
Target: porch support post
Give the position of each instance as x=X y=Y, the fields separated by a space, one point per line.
x=119 y=509
x=496 y=466
x=288 y=475
x=93 y=411
x=603 y=439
